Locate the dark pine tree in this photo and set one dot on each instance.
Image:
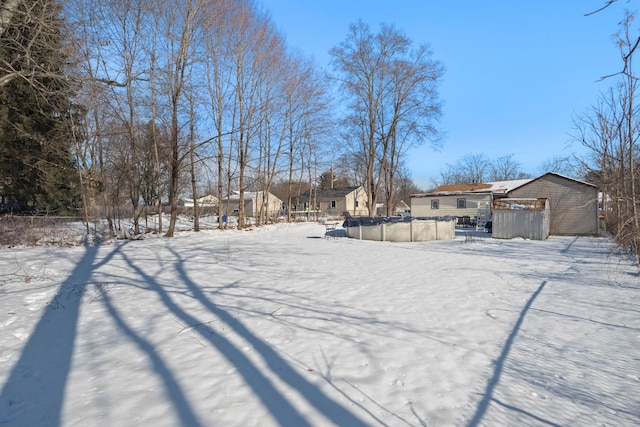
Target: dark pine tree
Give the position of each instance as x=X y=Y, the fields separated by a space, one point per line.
x=37 y=166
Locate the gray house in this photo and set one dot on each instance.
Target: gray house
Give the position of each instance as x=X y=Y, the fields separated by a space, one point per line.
x=334 y=201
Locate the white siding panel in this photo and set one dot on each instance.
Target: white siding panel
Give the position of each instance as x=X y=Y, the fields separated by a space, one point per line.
x=448 y=205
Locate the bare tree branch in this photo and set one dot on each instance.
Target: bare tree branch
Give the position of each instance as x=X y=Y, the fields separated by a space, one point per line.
x=607 y=4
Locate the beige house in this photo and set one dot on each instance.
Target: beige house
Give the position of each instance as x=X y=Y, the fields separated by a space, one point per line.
x=460 y=200
x=255 y=204
x=334 y=202
x=573 y=204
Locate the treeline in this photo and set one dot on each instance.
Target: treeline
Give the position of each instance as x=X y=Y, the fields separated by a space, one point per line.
x=161 y=96
x=137 y=102
x=194 y=89
x=610 y=130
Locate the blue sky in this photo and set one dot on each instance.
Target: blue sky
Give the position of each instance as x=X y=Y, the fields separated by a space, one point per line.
x=517 y=72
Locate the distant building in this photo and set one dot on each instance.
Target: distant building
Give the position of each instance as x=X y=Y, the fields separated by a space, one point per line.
x=255 y=203
x=460 y=200
x=209 y=201
x=333 y=202
x=573 y=204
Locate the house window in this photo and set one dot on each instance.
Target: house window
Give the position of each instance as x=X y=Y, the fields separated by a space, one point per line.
x=356 y=203
x=435 y=204
x=462 y=203
x=333 y=204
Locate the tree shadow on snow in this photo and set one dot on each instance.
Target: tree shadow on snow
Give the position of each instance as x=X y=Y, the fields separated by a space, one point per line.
x=487 y=397
x=277 y=404
x=34 y=392
x=279 y=407
x=185 y=412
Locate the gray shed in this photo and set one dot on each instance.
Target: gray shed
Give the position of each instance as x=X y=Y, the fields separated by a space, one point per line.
x=573 y=203
x=526 y=218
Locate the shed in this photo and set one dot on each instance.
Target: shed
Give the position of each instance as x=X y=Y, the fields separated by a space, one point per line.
x=573 y=204
x=526 y=218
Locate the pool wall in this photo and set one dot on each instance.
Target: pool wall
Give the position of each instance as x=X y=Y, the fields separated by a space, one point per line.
x=415 y=230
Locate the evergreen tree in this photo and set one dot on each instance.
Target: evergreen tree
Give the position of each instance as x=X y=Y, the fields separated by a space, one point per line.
x=37 y=167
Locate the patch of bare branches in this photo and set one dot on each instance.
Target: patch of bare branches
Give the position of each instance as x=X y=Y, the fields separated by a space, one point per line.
x=37 y=230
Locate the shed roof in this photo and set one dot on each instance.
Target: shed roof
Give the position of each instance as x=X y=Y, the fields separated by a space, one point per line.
x=557 y=175
x=506 y=186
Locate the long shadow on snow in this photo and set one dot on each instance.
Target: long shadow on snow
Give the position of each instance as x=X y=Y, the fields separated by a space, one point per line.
x=487 y=398
x=185 y=413
x=279 y=407
x=323 y=403
x=34 y=392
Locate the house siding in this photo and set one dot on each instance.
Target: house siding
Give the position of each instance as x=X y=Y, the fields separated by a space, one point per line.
x=252 y=205
x=344 y=198
x=448 y=204
x=573 y=204
x=360 y=196
x=267 y=205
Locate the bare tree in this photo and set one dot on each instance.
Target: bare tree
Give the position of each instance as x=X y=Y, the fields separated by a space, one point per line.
x=305 y=115
x=506 y=168
x=220 y=24
x=179 y=24
x=476 y=168
x=611 y=130
x=392 y=99
x=256 y=49
x=469 y=169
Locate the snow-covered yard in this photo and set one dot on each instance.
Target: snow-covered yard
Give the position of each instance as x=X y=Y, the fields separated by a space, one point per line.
x=280 y=326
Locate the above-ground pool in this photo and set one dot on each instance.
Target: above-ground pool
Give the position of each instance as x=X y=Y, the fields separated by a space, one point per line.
x=400 y=229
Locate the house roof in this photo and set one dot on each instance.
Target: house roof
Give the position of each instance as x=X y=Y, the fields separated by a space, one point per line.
x=208 y=199
x=248 y=195
x=330 y=193
x=402 y=205
x=482 y=188
x=461 y=187
x=498 y=188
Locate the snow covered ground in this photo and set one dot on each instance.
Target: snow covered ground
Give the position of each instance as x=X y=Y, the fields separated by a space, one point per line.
x=280 y=326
